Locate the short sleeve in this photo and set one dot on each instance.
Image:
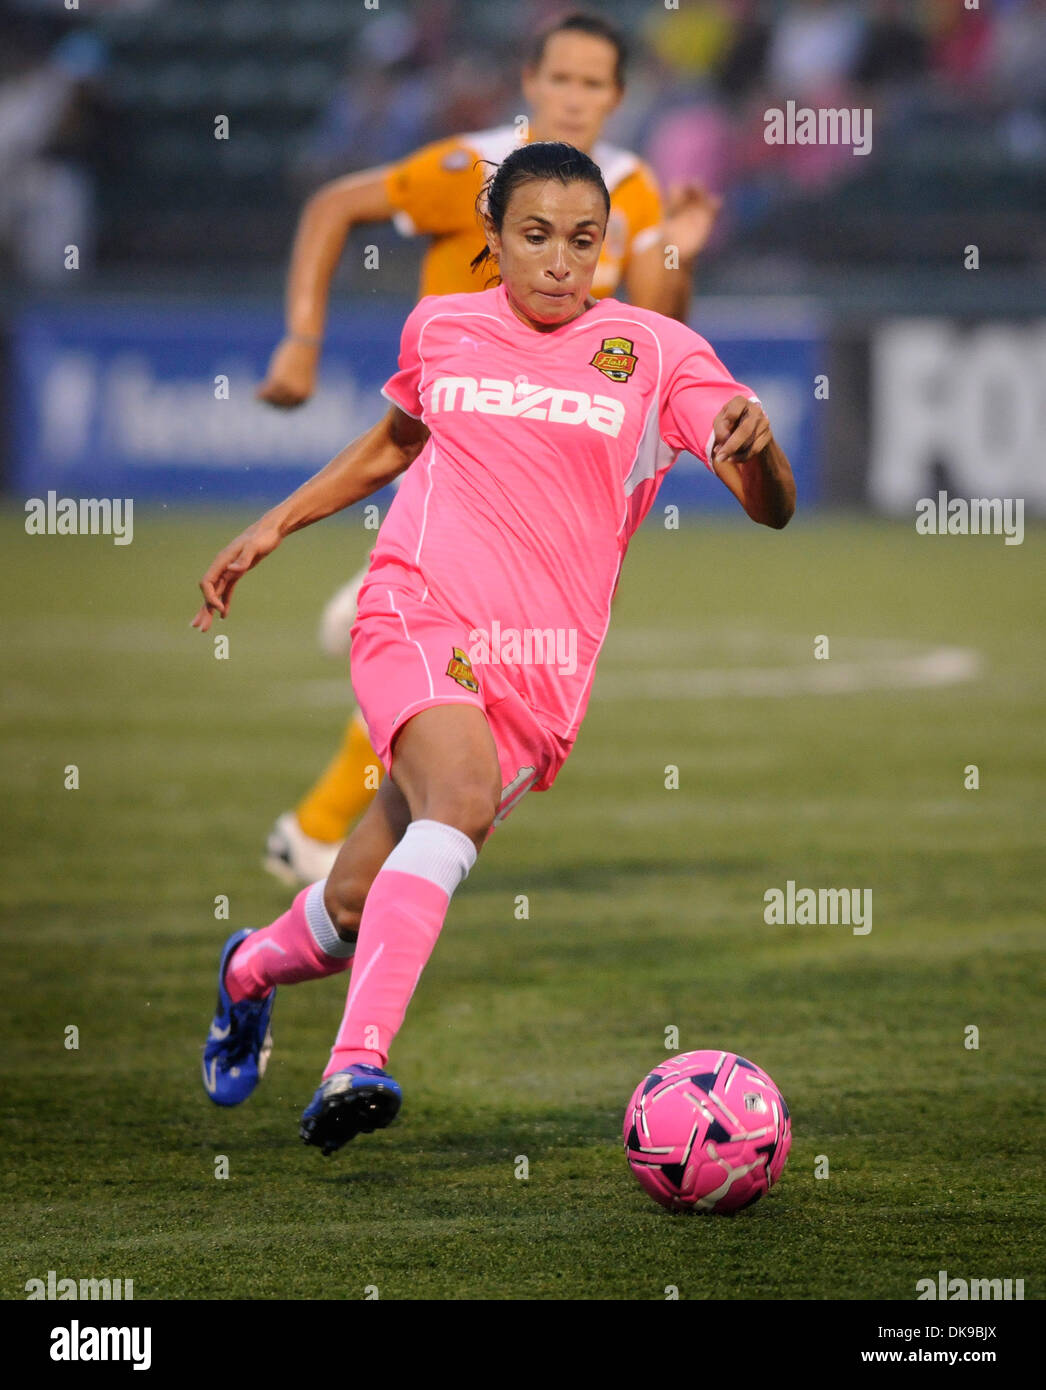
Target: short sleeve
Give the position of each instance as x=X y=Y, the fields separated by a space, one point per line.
x=433 y=191
x=403 y=388
x=696 y=392
x=642 y=206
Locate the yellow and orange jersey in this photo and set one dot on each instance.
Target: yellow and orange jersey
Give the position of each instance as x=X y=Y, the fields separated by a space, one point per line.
x=434 y=192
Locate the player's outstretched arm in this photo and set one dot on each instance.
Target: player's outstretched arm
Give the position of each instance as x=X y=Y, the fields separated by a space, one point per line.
x=362 y=467
x=325 y=222
x=752 y=464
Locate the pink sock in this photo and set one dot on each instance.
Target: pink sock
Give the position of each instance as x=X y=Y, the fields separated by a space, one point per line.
x=300 y=945
x=402 y=917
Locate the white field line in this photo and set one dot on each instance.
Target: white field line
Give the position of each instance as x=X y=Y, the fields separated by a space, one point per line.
x=935 y=667
x=890 y=666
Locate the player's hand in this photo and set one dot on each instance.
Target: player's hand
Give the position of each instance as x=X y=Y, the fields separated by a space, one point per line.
x=230 y=565
x=690 y=215
x=742 y=431
x=291 y=378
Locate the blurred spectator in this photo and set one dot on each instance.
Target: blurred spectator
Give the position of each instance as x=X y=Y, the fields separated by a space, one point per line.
x=1017 y=53
x=46 y=190
x=892 y=70
x=812 y=55
x=694 y=136
x=382 y=108
x=894 y=49
x=814 y=48
x=960 y=45
x=743 y=62
x=1018 y=79
x=692 y=39
x=693 y=144
x=433 y=21
x=472 y=94
x=687 y=135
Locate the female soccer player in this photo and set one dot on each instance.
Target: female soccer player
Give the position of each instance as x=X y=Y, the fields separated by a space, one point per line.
x=573 y=81
x=535 y=425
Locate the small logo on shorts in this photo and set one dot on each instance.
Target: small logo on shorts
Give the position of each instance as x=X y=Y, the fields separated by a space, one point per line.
x=460 y=670
x=616 y=359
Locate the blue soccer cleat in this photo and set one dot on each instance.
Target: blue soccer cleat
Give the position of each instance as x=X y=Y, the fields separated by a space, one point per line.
x=237 y=1049
x=358 y=1100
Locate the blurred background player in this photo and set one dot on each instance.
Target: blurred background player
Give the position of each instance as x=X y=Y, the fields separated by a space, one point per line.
x=574 y=80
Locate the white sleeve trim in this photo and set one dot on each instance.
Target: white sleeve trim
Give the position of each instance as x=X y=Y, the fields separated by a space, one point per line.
x=399 y=406
x=648 y=237
x=404 y=224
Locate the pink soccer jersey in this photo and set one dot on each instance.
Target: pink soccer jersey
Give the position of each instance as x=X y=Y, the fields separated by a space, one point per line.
x=546 y=452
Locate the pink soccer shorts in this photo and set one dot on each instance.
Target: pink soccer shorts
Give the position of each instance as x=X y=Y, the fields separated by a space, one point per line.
x=409 y=654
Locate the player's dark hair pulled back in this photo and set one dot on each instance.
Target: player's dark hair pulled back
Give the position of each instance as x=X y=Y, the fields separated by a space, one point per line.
x=544 y=159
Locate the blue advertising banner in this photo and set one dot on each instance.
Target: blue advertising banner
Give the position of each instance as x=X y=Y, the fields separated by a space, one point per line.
x=779 y=351
x=157 y=403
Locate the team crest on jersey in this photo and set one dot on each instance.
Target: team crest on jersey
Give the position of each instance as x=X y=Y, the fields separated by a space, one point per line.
x=460 y=670
x=615 y=359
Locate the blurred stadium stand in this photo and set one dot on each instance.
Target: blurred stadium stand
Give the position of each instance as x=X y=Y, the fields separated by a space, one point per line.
x=107 y=125
x=319 y=87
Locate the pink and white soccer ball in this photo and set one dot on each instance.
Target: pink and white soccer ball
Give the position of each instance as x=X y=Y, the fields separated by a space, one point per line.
x=707 y=1131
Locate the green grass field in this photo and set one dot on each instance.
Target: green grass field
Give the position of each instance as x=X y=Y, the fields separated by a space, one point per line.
x=527 y=1037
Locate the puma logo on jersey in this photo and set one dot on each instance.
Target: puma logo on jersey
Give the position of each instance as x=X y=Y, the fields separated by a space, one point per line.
x=527 y=401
